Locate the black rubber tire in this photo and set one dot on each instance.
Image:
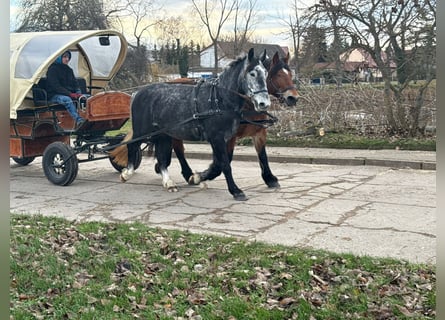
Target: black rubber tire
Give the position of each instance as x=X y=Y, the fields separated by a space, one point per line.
x=23 y=161
x=56 y=153
x=119 y=168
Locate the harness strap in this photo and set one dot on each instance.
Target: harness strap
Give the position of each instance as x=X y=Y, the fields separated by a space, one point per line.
x=264 y=123
x=197 y=115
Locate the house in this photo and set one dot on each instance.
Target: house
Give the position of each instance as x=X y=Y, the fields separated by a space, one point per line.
x=357 y=64
x=227 y=52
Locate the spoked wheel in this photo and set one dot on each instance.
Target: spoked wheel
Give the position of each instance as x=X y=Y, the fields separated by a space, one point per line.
x=138 y=161
x=23 y=161
x=60 y=163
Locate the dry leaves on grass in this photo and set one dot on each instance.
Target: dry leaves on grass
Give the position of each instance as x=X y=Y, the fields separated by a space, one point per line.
x=155 y=272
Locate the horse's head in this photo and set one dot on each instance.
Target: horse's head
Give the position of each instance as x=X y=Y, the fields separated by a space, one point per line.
x=279 y=79
x=254 y=82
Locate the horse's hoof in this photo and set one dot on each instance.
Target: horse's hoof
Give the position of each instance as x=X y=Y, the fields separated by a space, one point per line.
x=273 y=184
x=195 y=179
x=172 y=189
x=240 y=196
x=126 y=174
x=170 y=186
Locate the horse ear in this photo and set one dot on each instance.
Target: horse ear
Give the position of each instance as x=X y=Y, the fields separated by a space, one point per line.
x=263 y=56
x=275 y=58
x=286 y=59
x=251 y=54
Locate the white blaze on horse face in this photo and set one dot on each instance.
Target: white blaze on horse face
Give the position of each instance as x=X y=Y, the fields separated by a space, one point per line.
x=257 y=88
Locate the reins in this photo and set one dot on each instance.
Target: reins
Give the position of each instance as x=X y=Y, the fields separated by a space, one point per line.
x=195 y=116
x=264 y=123
x=213 y=97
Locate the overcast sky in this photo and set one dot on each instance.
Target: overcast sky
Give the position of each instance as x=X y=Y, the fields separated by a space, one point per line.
x=271 y=29
x=270 y=13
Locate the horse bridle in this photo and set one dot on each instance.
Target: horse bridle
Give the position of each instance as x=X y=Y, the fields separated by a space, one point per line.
x=279 y=93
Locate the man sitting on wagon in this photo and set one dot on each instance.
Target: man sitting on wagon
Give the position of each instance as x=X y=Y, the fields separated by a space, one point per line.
x=62 y=86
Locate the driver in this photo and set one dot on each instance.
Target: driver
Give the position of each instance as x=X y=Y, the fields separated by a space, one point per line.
x=62 y=86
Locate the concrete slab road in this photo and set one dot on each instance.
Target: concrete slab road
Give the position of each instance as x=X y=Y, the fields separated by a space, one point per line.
x=365 y=210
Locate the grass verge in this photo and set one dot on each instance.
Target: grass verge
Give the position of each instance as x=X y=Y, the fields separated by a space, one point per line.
x=349 y=141
x=335 y=140
x=66 y=270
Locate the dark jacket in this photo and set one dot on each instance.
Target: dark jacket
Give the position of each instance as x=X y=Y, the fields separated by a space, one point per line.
x=60 y=80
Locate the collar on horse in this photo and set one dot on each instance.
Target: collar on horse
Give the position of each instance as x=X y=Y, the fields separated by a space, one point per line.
x=213 y=99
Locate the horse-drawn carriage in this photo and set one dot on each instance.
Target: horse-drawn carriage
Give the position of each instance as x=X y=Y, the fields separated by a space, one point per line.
x=41 y=128
x=166 y=113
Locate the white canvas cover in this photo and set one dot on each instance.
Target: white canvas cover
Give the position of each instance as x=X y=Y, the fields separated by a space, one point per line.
x=31 y=53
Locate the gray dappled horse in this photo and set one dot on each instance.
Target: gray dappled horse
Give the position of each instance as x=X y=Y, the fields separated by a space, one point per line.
x=208 y=111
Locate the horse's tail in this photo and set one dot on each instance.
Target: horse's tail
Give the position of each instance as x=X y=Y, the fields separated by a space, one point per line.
x=120 y=153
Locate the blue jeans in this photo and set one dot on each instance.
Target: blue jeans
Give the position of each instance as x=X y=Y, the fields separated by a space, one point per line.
x=69 y=105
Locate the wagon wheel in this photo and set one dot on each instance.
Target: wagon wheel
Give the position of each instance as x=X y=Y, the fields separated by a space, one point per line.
x=23 y=161
x=60 y=163
x=136 y=164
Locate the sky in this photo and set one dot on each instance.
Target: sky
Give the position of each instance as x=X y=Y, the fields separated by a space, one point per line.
x=270 y=13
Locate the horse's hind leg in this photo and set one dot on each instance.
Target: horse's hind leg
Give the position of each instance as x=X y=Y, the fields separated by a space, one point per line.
x=186 y=171
x=163 y=154
x=260 y=147
x=214 y=169
x=128 y=172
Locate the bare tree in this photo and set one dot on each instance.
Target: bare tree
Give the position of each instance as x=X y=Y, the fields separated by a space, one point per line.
x=388 y=30
x=57 y=15
x=213 y=15
x=174 y=27
x=296 y=28
x=244 y=22
x=139 y=16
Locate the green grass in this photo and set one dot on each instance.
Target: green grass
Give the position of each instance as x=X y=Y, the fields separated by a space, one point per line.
x=351 y=141
x=66 y=270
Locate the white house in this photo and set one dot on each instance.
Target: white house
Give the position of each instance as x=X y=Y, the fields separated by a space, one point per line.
x=227 y=53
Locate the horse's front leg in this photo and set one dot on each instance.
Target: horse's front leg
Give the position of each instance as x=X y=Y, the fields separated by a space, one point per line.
x=222 y=161
x=259 y=141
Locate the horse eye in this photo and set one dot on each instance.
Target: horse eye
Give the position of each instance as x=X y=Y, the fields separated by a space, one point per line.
x=252 y=73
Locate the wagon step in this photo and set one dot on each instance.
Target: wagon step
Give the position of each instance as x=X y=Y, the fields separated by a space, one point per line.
x=80 y=127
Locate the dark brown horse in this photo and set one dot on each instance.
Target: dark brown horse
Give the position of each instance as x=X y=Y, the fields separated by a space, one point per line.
x=280 y=85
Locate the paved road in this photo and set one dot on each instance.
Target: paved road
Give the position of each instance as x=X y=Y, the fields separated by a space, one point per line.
x=362 y=209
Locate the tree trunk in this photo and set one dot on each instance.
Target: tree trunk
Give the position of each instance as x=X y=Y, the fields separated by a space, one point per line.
x=215 y=71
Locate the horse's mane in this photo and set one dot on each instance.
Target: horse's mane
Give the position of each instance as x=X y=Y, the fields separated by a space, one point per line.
x=239 y=59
